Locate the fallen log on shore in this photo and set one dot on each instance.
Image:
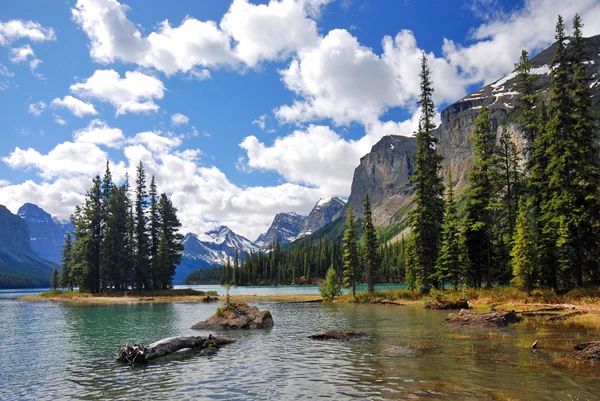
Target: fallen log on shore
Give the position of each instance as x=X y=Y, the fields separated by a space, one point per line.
x=141 y=354
x=489 y=319
x=342 y=335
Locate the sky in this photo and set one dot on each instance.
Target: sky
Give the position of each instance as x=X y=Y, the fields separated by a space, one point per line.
x=241 y=109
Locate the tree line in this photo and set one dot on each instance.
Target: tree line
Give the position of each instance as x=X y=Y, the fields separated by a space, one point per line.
x=532 y=214
x=124 y=238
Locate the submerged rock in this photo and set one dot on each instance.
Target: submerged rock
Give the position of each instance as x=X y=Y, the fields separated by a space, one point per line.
x=342 y=335
x=239 y=317
x=589 y=350
x=490 y=319
x=440 y=304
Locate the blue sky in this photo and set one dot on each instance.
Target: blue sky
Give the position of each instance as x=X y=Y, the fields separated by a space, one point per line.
x=242 y=109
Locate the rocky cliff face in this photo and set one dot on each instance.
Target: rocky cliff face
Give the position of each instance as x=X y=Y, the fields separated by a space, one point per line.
x=210 y=249
x=383 y=173
x=285 y=228
x=46 y=233
x=322 y=214
x=20 y=267
x=500 y=97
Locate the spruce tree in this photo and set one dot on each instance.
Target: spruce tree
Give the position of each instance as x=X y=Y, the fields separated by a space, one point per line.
x=351 y=257
x=142 y=242
x=154 y=231
x=66 y=264
x=426 y=217
x=481 y=193
x=450 y=261
x=331 y=287
x=371 y=253
x=170 y=248
x=523 y=252
x=54 y=281
x=412 y=270
x=527 y=109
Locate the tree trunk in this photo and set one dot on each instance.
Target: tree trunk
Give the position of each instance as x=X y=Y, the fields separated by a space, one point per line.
x=142 y=354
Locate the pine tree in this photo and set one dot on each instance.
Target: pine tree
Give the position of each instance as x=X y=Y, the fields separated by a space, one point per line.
x=481 y=193
x=523 y=252
x=66 y=263
x=450 y=261
x=426 y=217
x=528 y=105
x=142 y=242
x=54 y=281
x=107 y=188
x=371 y=254
x=114 y=249
x=412 y=270
x=351 y=257
x=170 y=248
x=154 y=231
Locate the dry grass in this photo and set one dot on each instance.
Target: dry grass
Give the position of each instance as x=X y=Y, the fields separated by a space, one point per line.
x=157 y=296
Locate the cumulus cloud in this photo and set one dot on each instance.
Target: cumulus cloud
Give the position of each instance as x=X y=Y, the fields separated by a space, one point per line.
x=246 y=35
x=13 y=30
x=179 y=119
x=135 y=93
x=25 y=54
x=155 y=142
x=100 y=133
x=76 y=106
x=59 y=120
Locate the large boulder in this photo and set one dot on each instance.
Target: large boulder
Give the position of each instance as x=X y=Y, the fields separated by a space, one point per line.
x=491 y=319
x=238 y=317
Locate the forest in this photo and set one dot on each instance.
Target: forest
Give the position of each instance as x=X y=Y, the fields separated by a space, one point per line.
x=530 y=214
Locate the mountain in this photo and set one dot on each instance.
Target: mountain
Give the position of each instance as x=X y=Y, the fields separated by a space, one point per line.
x=322 y=214
x=385 y=171
x=47 y=234
x=285 y=227
x=20 y=267
x=210 y=249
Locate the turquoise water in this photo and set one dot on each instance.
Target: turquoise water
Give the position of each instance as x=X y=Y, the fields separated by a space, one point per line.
x=56 y=351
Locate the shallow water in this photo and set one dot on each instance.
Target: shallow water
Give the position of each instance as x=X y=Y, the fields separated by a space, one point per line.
x=53 y=351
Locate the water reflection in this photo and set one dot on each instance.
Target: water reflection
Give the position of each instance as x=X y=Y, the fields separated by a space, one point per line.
x=57 y=351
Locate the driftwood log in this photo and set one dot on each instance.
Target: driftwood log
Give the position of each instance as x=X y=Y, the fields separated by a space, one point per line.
x=342 y=335
x=141 y=354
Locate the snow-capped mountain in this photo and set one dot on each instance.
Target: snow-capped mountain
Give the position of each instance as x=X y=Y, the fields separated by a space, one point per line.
x=47 y=234
x=322 y=214
x=210 y=249
x=285 y=229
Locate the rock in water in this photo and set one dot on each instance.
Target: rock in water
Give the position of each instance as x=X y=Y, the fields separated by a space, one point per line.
x=589 y=350
x=440 y=304
x=343 y=335
x=240 y=317
x=490 y=319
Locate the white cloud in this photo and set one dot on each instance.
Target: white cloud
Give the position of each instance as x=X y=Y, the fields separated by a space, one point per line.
x=100 y=133
x=59 y=120
x=20 y=54
x=4 y=183
x=155 y=142
x=261 y=122
x=5 y=72
x=135 y=93
x=66 y=159
x=76 y=106
x=37 y=108
x=17 y=29
x=259 y=32
x=269 y=31
x=199 y=73
x=179 y=119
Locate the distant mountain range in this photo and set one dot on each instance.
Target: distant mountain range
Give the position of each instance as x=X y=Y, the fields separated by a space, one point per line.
x=20 y=267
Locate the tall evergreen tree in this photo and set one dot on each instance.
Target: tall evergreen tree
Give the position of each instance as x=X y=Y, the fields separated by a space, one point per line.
x=351 y=253
x=154 y=231
x=481 y=193
x=451 y=260
x=528 y=105
x=371 y=254
x=142 y=242
x=66 y=264
x=523 y=252
x=170 y=248
x=54 y=281
x=426 y=217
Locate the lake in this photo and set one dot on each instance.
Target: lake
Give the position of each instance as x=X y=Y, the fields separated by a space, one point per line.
x=54 y=351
